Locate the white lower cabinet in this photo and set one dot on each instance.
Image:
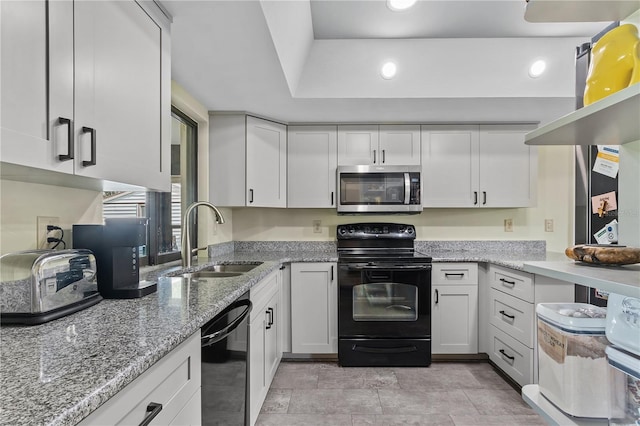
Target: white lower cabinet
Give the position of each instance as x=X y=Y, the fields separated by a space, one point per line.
x=513 y=296
x=174 y=382
x=454 y=308
x=314 y=308
x=265 y=350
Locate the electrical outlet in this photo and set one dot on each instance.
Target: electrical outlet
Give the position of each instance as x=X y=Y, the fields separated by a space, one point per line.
x=41 y=231
x=316 y=227
x=508 y=225
x=548 y=225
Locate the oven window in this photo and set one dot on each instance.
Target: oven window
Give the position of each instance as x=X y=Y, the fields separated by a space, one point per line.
x=372 y=188
x=385 y=302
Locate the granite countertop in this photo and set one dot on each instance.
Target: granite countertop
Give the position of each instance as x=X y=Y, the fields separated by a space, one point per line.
x=59 y=372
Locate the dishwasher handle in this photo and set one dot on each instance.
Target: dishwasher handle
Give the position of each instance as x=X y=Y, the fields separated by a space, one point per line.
x=209 y=338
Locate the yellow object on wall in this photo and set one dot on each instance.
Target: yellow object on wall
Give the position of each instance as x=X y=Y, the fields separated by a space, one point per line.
x=615 y=63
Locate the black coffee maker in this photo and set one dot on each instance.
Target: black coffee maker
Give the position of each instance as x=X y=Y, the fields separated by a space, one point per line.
x=117 y=246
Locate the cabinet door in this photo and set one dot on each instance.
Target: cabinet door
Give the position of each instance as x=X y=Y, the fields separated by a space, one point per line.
x=312 y=160
x=266 y=163
x=117 y=77
x=272 y=341
x=454 y=322
x=508 y=167
x=257 y=382
x=37 y=83
x=358 y=145
x=314 y=308
x=450 y=166
x=400 y=145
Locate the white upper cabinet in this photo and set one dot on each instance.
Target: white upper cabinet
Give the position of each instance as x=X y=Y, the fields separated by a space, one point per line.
x=31 y=136
x=400 y=145
x=357 y=145
x=508 y=167
x=450 y=166
x=248 y=161
x=378 y=145
x=311 y=166
x=478 y=166
x=94 y=101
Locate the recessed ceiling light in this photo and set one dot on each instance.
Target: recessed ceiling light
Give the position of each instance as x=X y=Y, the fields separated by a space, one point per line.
x=537 y=68
x=397 y=5
x=388 y=70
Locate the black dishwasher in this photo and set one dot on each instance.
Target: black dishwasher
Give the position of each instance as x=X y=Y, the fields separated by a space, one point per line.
x=224 y=365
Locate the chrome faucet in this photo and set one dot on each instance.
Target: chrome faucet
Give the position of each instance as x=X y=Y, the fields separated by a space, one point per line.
x=187 y=251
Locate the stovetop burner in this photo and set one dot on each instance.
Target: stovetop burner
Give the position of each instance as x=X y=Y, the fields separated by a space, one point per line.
x=359 y=242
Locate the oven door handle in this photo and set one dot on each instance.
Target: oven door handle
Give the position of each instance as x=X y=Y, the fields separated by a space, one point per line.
x=389 y=268
x=398 y=350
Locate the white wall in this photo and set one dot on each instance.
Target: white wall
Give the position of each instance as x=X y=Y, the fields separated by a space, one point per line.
x=208 y=231
x=21 y=203
x=555 y=201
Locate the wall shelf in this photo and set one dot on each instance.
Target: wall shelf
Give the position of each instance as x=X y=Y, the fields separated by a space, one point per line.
x=613 y=120
x=578 y=11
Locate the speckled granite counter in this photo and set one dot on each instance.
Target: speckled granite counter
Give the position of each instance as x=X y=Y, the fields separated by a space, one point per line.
x=59 y=372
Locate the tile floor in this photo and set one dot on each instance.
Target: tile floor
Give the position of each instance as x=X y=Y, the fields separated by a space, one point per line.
x=456 y=394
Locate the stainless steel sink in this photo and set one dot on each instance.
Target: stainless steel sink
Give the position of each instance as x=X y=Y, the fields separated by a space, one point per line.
x=222 y=271
x=233 y=267
x=211 y=274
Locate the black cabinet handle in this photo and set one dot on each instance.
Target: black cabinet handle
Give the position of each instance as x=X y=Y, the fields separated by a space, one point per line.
x=331 y=273
x=475 y=198
x=504 y=354
x=250 y=195
x=374 y=156
x=153 y=409
x=484 y=197
x=332 y=198
x=282 y=267
x=512 y=283
x=437 y=296
x=270 y=313
x=504 y=314
x=92 y=131
x=384 y=157
x=69 y=155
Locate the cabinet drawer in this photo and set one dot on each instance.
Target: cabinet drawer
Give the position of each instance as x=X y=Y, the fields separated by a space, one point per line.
x=511 y=356
x=518 y=284
x=261 y=293
x=513 y=316
x=172 y=382
x=454 y=273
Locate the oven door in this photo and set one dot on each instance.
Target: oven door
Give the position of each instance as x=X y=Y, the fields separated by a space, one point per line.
x=378 y=300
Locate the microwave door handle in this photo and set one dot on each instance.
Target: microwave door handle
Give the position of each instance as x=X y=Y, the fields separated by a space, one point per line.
x=407 y=188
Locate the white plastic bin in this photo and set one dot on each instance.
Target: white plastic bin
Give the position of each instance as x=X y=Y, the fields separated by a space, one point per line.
x=623 y=322
x=572 y=366
x=624 y=382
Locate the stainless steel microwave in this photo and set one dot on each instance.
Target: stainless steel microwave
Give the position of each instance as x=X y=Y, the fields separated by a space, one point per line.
x=379 y=189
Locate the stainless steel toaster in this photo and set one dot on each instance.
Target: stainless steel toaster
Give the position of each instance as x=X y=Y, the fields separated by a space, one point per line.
x=37 y=286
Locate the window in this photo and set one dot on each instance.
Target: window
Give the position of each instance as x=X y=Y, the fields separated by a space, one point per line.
x=164 y=209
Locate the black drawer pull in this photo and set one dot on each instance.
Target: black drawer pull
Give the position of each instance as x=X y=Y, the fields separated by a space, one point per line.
x=484 y=198
x=269 y=312
x=509 y=357
x=475 y=198
x=69 y=155
x=332 y=198
x=507 y=281
x=451 y=274
x=507 y=315
x=153 y=409
x=250 y=195
x=92 y=131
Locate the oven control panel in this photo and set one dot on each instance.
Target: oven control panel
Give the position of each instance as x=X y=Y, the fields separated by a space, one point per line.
x=376 y=230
